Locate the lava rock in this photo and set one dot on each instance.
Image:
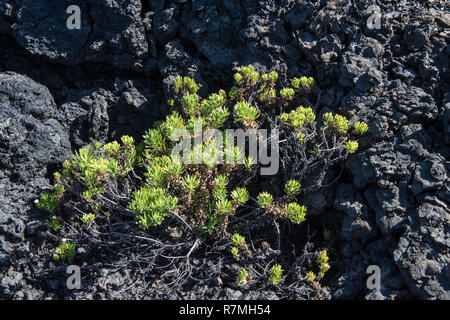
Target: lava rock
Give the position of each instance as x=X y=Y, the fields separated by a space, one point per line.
x=421 y=255
x=110 y=31
x=30 y=139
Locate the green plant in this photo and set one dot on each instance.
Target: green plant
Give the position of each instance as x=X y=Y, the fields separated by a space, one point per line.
x=185 y=84
x=299 y=118
x=208 y=188
x=295 y=212
x=154 y=141
x=303 y=82
x=322 y=261
x=235 y=252
x=57 y=176
x=351 y=146
x=361 y=127
x=246 y=74
x=48 y=201
x=273 y=75
x=240 y=196
x=163 y=171
x=276 y=274
x=217 y=117
x=292 y=187
x=245 y=113
x=65 y=251
x=90 y=168
x=265 y=199
x=238 y=77
x=238 y=240
x=248 y=162
x=220 y=187
x=243 y=275
x=224 y=206
x=191 y=104
x=336 y=122
x=214 y=101
x=233 y=93
x=88 y=218
x=59 y=189
x=190 y=183
x=287 y=93
x=301 y=137
x=296 y=83
x=111 y=148
x=310 y=276
x=53 y=223
x=173 y=122
x=151 y=205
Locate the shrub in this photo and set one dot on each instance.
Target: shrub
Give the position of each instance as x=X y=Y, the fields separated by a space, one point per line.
x=155 y=141
x=191 y=105
x=246 y=74
x=287 y=93
x=59 y=189
x=186 y=83
x=224 y=206
x=303 y=82
x=146 y=196
x=299 y=117
x=248 y=162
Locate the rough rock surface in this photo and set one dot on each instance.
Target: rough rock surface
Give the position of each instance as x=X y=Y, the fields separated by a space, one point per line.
x=110 y=31
x=112 y=77
x=31 y=142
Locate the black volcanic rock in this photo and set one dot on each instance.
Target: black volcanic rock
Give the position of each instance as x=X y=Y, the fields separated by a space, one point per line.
x=32 y=142
x=112 y=77
x=30 y=137
x=110 y=31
